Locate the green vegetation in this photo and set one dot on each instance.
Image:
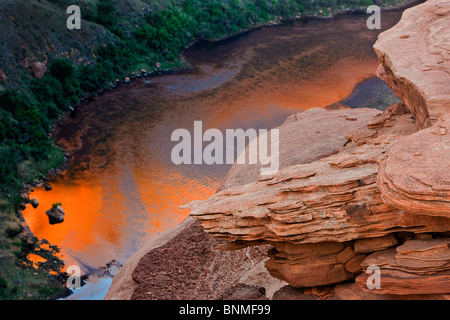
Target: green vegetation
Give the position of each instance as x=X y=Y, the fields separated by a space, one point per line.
x=26 y=282
x=19 y=279
x=56 y=204
x=144 y=33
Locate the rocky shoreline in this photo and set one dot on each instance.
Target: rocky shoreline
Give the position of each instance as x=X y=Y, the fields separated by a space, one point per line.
x=370 y=190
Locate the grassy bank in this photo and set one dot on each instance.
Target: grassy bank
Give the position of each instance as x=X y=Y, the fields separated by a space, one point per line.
x=129 y=36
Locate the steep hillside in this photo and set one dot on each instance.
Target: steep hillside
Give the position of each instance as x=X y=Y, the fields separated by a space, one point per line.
x=34 y=32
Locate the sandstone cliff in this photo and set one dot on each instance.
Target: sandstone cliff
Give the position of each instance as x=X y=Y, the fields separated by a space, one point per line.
x=414 y=58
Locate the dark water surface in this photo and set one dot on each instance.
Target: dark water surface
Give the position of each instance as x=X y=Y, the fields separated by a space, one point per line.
x=122 y=188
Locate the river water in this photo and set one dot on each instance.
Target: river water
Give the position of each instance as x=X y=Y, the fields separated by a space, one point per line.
x=121 y=187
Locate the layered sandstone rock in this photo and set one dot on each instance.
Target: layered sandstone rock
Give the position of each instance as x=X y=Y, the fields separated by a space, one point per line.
x=374 y=244
x=310 y=265
x=308 y=211
x=415 y=60
x=415 y=176
x=332 y=199
x=424 y=254
x=416 y=267
x=302 y=141
x=346 y=291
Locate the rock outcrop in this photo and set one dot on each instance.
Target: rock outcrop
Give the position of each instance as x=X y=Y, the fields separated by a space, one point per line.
x=333 y=199
x=310 y=265
x=415 y=60
x=302 y=141
x=416 y=173
x=322 y=217
x=416 y=267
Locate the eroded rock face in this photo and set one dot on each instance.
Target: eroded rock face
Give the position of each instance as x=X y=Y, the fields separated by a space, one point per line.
x=370 y=201
x=415 y=60
x=347 y=291
x=303 y=141
x=310 y=265
x=332 y=199
x=416 y=267
x=322 y=217
x=415 y=176
x=374 y=244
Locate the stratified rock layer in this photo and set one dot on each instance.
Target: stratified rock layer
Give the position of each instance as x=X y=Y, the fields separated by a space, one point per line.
x=415 y=176
x=416 y=267
x=374 y=244
x=415 y=60
x=308 y=211
x=332 y=199
x=310 y=265
x=303 y=141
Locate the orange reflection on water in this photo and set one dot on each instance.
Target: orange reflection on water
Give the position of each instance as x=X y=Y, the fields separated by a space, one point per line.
x=78 y=229
x=321 y=90
x=96 y=230
x=162 y=198
x=324 y=89
x=35 y=259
